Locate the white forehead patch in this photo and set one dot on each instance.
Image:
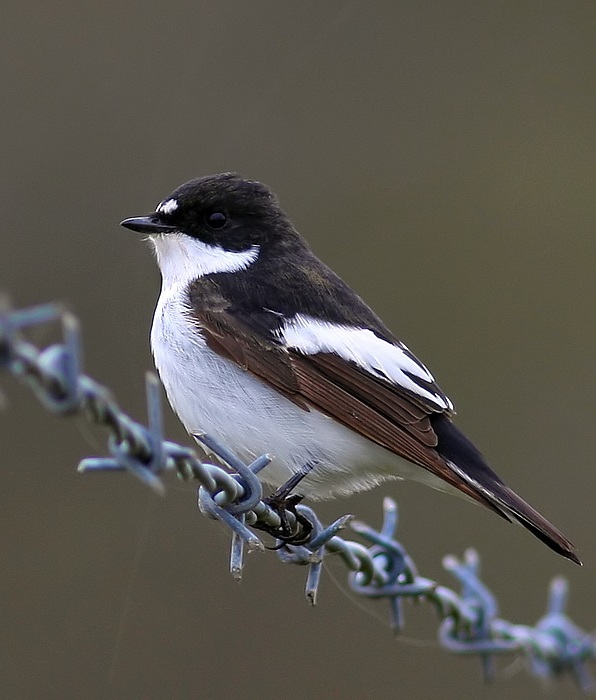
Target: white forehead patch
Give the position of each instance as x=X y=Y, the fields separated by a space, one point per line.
x=167 y=206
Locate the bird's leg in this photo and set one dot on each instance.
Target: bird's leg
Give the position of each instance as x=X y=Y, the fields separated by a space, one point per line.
x=282 y=502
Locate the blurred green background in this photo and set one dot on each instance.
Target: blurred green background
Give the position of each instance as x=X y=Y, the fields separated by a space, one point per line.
x=440 y=157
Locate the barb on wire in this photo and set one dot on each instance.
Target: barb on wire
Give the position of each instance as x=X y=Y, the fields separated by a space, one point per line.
x=233 y=494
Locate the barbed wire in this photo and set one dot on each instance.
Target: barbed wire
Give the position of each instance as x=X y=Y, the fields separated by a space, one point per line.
x=554 y=647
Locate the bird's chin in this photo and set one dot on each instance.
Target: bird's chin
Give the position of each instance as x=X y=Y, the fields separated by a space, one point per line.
x=166 y=246
x=155 y=237
x=155 y=240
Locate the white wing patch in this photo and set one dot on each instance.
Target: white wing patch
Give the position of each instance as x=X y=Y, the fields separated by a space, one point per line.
x=167 y=206
x=393 y=363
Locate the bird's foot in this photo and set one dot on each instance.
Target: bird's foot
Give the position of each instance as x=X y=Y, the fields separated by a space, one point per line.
x=297 y=530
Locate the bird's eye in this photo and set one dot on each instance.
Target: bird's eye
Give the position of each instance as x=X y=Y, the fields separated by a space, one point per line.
x=216 y=219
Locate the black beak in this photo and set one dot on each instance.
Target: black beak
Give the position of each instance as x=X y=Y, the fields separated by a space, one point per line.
x=147 y=224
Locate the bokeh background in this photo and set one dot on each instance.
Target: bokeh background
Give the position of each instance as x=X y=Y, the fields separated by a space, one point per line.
x=440 y=156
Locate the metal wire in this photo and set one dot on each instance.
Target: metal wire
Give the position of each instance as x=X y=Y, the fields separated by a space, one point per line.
x=233 y=494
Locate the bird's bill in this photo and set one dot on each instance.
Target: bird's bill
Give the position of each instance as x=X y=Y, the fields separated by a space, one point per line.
x=147 y=224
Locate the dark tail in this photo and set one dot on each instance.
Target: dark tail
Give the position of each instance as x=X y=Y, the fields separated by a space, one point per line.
x=469 y=464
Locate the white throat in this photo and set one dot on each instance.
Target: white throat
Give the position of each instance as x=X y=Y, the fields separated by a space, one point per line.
x=182 y=258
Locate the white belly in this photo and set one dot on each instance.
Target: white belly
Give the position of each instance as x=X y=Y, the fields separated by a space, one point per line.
x=211 y=394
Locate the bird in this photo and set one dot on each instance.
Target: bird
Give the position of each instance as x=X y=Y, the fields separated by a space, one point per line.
x=259 y=344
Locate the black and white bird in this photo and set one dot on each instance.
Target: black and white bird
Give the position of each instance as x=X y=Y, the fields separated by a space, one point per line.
x=260 y=344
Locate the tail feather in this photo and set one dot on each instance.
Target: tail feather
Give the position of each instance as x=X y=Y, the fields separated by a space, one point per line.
x=537 y=524
x=469 y=464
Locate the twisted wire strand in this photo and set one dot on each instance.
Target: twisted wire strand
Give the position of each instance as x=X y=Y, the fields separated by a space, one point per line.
x=233 y=494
